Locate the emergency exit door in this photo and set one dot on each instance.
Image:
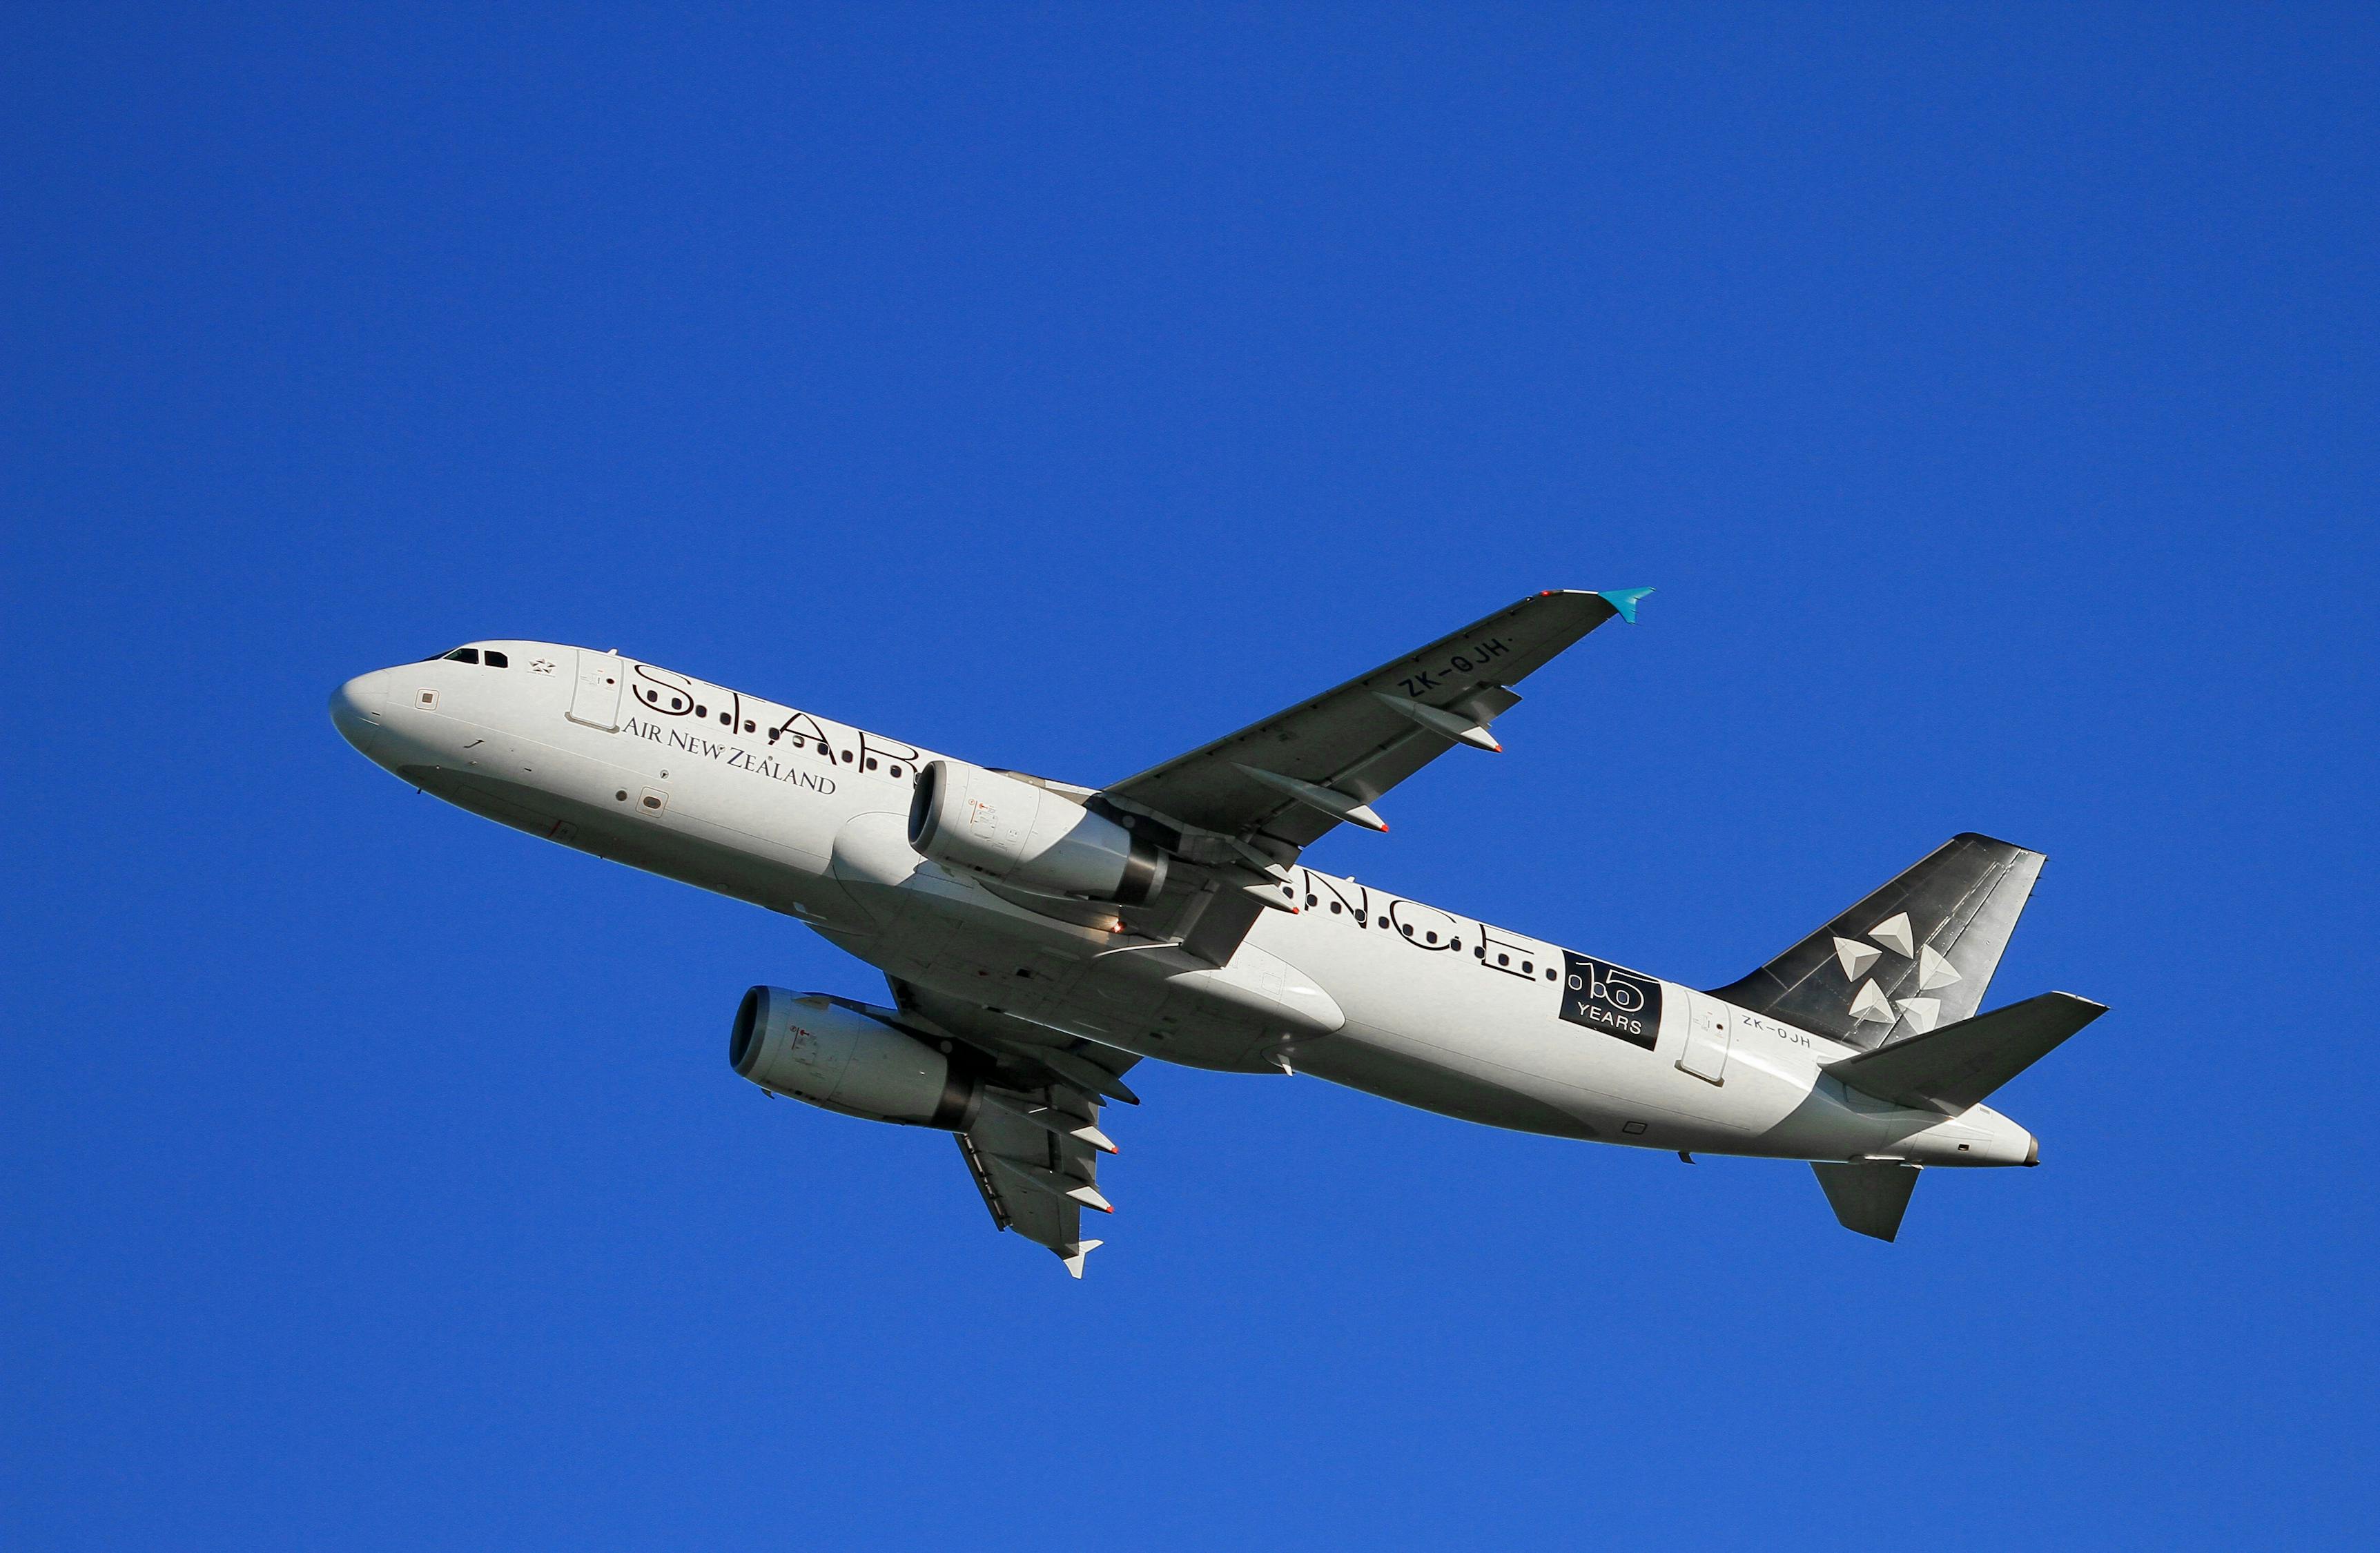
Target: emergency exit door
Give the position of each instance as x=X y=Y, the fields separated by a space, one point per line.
x=1710 y=1032
x=595 y=699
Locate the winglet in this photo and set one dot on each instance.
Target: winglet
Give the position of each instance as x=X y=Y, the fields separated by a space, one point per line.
x=1625 y=600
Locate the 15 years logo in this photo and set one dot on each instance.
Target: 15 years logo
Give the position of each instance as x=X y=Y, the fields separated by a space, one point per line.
x=1616 y=1001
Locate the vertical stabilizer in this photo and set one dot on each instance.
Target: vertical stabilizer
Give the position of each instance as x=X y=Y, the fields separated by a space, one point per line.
x=1913 y=955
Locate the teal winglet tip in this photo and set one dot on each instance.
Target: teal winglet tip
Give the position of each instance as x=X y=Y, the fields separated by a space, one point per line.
x=1624 y=601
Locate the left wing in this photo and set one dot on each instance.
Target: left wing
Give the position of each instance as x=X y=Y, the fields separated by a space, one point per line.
x=1247 y=804
x=1034 y=1144
x=1035 y=1179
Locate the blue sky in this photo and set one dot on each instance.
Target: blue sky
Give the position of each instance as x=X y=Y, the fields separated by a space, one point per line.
x=1991 y=400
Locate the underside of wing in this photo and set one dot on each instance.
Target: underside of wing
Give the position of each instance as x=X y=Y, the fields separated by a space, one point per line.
x=1034 y=1143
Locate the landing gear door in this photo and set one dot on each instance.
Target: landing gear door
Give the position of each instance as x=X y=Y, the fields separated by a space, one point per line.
x=1710 y=1032
x=595 y=699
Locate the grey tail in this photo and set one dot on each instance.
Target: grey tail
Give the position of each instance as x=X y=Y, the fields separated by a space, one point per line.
x=1915 y=954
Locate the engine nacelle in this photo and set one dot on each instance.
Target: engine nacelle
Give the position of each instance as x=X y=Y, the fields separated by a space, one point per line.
x=1028 y=836
x=818 y=1050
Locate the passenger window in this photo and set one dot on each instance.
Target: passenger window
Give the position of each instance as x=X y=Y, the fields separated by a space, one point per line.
x=497 y=660
x=896 y=771
x=701 y=711
x=871 y=762
x=747 y=725
x=1335 y=908
x=464 y=655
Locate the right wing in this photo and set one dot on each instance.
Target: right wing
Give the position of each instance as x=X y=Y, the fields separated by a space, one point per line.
x=1244 y=807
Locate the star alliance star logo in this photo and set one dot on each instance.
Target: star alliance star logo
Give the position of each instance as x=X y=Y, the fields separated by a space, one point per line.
x=542 y=666
x=1869 y=1003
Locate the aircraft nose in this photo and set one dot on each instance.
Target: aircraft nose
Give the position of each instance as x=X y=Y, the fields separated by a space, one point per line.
x=356 y=708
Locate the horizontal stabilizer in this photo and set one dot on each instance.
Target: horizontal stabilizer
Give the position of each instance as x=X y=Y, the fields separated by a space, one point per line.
x=1869 y=1195
x=1954 y=1067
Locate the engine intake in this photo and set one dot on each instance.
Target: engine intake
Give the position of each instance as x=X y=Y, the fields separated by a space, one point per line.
x=1028 y=836
x=832 y=1055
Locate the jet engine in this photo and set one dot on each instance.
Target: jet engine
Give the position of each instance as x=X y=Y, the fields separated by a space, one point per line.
x=1028 y=836
x=832 y=1055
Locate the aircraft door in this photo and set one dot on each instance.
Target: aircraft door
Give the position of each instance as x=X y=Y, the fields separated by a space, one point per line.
x=1709 y=1031
x=595 y=699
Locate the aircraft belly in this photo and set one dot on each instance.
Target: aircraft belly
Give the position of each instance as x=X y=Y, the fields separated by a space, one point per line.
x=1448 y=1082
x=1126 y=1008
x=939 y=929
x=730 y=869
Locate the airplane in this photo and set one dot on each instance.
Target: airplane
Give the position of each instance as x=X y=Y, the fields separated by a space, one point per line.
x=1040 y=937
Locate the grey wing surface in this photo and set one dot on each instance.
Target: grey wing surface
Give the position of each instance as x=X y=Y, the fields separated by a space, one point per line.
x=1247 y=804
x=1359 y=740
x=1034 y=1144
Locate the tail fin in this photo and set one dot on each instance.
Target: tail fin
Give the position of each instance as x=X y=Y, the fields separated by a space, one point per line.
x=1917 y=953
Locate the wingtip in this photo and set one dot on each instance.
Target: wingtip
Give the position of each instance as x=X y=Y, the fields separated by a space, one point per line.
x=1625 y=600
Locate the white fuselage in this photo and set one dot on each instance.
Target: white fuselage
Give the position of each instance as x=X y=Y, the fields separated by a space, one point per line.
x=809 y=817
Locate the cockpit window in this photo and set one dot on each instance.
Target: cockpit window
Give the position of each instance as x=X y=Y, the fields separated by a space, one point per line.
x=465 y=655
x=497 y=660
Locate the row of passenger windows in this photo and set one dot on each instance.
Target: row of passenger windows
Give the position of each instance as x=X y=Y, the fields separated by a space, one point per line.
x=491 y=659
